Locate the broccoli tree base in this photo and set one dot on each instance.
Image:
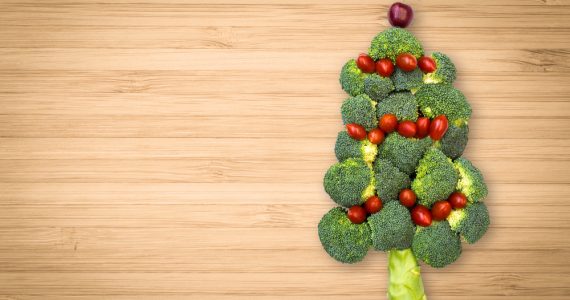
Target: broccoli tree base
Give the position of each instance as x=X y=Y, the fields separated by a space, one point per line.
x=405 y=281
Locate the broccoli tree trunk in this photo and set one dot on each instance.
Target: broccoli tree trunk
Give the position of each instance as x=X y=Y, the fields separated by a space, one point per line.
x=405 y=282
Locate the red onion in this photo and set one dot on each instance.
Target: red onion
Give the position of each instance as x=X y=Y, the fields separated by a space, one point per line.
x=400 y=15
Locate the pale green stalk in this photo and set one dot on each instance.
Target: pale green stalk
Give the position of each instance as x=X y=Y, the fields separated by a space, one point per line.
x=405 y=281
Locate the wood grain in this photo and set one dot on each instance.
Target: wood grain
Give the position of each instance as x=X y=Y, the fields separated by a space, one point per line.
x=175 y=149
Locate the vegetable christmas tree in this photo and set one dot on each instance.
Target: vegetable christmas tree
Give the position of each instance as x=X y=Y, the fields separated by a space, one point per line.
x=401 y=183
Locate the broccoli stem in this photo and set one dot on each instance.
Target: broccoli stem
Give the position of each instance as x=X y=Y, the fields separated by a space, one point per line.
x=405 y=282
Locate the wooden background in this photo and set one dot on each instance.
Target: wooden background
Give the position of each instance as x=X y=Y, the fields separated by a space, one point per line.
x=170 y=149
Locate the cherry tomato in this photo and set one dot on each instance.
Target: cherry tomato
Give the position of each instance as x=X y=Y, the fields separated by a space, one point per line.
x=365 y=63
x=356 y=131
x=388 y=123
x=373 y=205
x=427 y=64
x=421 y=216
x=407 y=129
x=438 y=127
x=440 y=210
x=457 y=200
x=356 y=214
x=406 y=62
x=384 y=67
x=423 y=127
x=407 y=197
x=376 y=136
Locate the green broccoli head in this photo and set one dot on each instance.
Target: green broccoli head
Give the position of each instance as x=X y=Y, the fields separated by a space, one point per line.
x=436 y=245
x=470 y=222
x=360 y=110
x=391 y=228
x=436 y=178
x=349 y=182
x=378 y=87
x=454 y=141
x=445 y=71
x=343 y=240
x=352 y=78
x=407 y=81
x=443 y=99
x=394 y=41
x=401 y=104
x=403 y=153
x=389 y=180
x=471 y=182
x=347 y=147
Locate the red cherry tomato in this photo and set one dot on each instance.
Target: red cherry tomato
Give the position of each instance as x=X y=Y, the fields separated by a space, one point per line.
x=388 y=123
x=423 y=127
x=427 y=64
x=407 y=197
x=373 y=205
x=406 y=62
x=407 y=129
x=384 y=67
x=356 y=214
x=421 y=216
x=457 y=200
x=356 y=131
x=438 y=127
x=440 y=210
x=376 y=136
x=365 y=63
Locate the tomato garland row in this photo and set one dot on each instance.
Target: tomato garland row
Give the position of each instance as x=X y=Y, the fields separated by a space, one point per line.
x=405 y=61
x=421 y=215
x=388 y=123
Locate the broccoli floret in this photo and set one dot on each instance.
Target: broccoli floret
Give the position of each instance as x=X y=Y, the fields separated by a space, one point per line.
x=349 y=182
x=470 y=222
x=445 y=70
x=471 y=181
x=378 y=87
x=394 y=41
x=407 y=81
x=454 y=141
x=343 y=240
x=403 y=153
x=436 y=178
x=443 y=99
x=347 y=147
x=360 y=110
x=436 y=245
x=391 y=228
x=402 y=104
x=352 y=78
x=389 y=180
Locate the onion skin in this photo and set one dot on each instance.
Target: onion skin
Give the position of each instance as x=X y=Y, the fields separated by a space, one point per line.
x=400 y=15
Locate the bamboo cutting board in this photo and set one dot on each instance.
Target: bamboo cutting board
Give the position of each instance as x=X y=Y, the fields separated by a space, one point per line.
x=170 y=149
